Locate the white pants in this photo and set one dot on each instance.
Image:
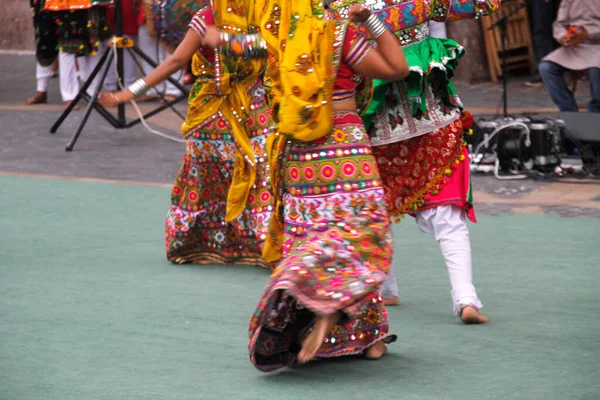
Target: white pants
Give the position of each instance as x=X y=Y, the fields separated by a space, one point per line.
x=68 y=73
x=129 y=71
x=158 y=55
x=43 y=75
x=437 y=30
x=449 y=227
x=68 y=76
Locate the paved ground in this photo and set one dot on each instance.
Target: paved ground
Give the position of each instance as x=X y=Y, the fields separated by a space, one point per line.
x=137 y=155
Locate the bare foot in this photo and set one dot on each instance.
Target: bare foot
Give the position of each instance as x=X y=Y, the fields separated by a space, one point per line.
x=470 y=315
x=391 y=301
x=68 y=103
x=315 y=339
x=376 y=351
x=38 y=98
x=146 y=98
x=168 y=98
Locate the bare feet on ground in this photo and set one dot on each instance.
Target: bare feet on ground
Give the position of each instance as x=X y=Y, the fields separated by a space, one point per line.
x=391 y=301
x=470 y=315
x=146 y=98
x=376 y=351
x=37 y=98
x=168 y=98
x=315 y=339
x=68 y=103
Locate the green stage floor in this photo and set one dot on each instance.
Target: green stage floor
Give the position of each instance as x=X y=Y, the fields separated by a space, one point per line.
x=90 y=309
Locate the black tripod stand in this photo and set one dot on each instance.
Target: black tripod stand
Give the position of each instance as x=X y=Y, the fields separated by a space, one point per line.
x=501 y=25
x=106 y=61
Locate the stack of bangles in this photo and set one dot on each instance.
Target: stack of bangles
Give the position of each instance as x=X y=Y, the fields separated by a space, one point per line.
x=375 y=27
x=138 y=88
x=246 y=45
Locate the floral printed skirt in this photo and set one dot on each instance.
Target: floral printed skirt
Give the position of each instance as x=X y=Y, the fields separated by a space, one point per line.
x=337 y=251
x=196 y=231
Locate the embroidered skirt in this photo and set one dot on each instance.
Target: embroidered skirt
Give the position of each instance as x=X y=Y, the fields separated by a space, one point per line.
x=196 y=231
x=337 y=251
x=454 y=190
x=412 y=168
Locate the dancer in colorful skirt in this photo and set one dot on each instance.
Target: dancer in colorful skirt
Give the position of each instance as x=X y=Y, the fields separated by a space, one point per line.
x=71 y=30
x=417 y=136
x=221 y=200
x=330 y=230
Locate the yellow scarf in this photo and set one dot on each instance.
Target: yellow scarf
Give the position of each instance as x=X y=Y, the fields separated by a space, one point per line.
x=299 y=80
x=229 y=97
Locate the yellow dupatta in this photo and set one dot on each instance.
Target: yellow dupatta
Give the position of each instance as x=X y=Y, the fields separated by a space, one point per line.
x=219 y=92
x=299 y=81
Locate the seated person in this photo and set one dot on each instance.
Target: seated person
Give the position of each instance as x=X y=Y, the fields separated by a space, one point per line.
x=577 y=29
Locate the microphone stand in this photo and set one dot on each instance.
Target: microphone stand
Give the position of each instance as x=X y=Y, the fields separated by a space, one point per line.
x=501 y=25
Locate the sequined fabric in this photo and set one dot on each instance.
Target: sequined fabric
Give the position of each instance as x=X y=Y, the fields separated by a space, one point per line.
x=196 y=231
x=337 y=250
x=412 y=168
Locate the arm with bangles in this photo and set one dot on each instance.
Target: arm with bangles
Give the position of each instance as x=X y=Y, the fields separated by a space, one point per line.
x=400 y=16
x=199 y=35
x=385 y=61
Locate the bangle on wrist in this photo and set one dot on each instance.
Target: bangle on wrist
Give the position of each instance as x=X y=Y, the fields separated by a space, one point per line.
x=375 y=26
x=138 y=88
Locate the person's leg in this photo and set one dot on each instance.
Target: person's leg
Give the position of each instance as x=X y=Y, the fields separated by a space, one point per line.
x=594 y=77
x=389 y=289
x=87 y=65
x=554 y=79
x=69 y=85
x=129 y=67
x=542 y=18
x=448 y=225
x=42 y=75
x=148 y=45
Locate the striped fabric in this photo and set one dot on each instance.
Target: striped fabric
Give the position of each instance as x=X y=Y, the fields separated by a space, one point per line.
x=340 y=95
x=198 y=25
x=358 y=51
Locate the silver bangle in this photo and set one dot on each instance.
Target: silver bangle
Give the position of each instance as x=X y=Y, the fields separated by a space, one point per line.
x=375 y=26
x=138 y=88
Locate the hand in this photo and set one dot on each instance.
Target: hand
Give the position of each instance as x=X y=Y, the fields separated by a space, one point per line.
x=115 y=98
x=359 y=13
x=211 y=37
x=575 y=39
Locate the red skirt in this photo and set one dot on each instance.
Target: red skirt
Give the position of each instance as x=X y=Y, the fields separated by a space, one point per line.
x=413 y=168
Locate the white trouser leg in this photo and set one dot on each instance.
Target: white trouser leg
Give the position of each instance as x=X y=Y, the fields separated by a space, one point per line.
x=389 y=288
x=69 y=86
x=437 y=30
x=129 y=67
x=87 y=65
x=158 y=55
x=448 y=225
x=43 y=75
